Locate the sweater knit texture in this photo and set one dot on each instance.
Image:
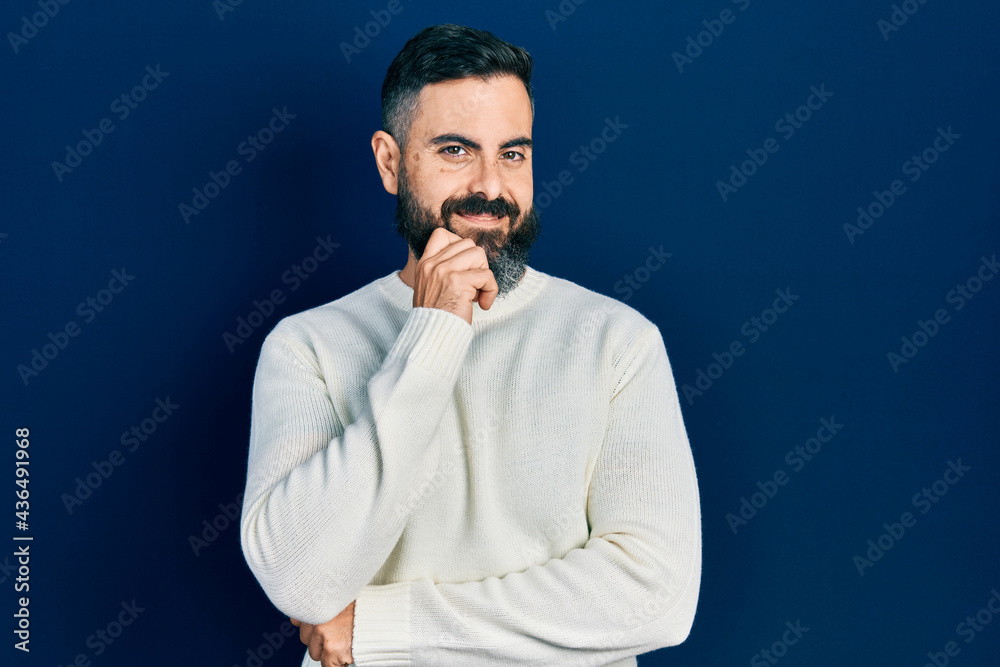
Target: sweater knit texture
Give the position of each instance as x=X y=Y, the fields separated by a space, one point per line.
x=520 y=491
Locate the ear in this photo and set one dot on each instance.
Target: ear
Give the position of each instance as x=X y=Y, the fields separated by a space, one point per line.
x=387 y=158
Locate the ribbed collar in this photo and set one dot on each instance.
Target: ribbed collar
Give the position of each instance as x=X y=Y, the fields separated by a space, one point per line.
x=530 y=285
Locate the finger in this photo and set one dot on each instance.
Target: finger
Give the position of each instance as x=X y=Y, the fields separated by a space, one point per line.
x=448 y=252
x=316 y=646
x=460 y=257
x=440 y=238
x=331 y=659
x=457 y=257
x=295 y=622
x=474 y=256
x=484 y=281
x=335 y=656
x=305 y=633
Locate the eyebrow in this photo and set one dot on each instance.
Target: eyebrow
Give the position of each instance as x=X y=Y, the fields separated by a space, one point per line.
x=469 y=143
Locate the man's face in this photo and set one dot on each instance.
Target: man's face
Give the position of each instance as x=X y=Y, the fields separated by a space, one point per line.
x=467 y=167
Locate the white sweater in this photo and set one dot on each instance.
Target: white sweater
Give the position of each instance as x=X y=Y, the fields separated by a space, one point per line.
x=520 y=491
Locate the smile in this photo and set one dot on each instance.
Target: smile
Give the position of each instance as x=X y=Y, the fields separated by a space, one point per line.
x=487 y=219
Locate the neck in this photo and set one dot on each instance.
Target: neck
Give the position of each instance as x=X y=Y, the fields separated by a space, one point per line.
x=408 y=272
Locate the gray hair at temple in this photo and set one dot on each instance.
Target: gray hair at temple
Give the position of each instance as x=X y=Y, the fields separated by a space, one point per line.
x=444 y=53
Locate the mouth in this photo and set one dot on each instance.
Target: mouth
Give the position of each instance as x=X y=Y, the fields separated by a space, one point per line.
x=484 y=220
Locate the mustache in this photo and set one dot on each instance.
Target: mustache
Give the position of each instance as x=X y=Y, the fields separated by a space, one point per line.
x=475 y=205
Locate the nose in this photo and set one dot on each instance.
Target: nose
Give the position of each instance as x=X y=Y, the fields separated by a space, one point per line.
x=486 y=179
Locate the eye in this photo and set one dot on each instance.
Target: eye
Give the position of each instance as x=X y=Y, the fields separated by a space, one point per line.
x=447 y=150
x=513 y=155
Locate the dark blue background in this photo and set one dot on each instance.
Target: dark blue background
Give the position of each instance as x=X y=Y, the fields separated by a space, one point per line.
x=655 y=185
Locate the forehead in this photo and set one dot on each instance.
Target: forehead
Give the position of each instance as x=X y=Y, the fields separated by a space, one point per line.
x=471 y=106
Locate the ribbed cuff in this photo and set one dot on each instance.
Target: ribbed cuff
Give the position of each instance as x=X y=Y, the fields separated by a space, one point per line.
x=434 y=339
x=382 y=626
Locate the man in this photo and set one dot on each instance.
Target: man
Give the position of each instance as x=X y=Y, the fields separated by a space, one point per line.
x=469 y=461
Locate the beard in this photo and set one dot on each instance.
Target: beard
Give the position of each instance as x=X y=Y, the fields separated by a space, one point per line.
x=506 y=251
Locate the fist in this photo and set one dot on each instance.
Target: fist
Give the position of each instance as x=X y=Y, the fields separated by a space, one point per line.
x=330 y=643
x=452 y=274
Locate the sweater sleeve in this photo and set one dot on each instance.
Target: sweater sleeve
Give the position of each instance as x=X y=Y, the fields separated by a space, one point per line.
x=632 y=588
x=325 y=502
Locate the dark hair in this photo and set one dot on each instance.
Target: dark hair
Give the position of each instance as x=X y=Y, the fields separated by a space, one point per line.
x=444 y=53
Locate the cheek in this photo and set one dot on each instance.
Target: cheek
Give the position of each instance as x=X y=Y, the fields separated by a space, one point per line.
x=428 y=185
x=522 y=189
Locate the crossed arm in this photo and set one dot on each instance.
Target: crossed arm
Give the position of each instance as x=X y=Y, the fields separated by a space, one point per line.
x=631 y=588
x=329 y=643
